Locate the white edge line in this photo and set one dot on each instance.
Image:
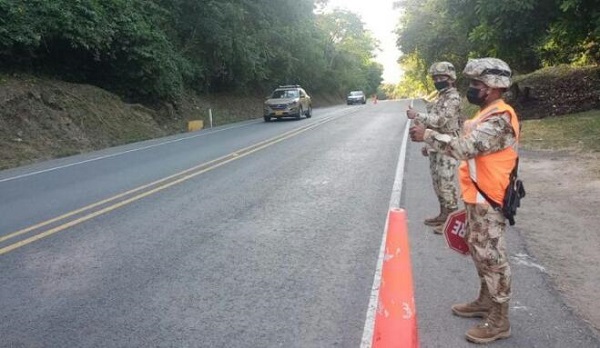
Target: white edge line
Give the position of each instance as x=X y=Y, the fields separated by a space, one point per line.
x=207 y=132
x=115 y=154
x=367 y=337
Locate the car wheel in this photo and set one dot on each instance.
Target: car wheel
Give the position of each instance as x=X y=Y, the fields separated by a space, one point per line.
x=267 y=119
x=300 y=112
x=309 y=112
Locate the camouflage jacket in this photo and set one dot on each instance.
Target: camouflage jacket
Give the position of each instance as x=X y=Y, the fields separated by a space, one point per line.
x=491 y=135
x=444 y=115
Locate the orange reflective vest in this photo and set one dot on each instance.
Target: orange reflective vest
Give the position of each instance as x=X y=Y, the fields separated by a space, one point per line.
x=491 y=171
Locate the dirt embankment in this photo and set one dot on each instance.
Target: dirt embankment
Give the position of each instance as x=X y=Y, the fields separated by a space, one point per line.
x=556 y=91
x=42 y=119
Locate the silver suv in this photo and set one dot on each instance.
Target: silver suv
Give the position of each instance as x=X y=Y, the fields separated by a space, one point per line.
x=288 y=101
x=356 y=97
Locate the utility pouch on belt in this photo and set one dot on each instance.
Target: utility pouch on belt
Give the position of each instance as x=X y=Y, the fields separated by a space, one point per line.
x=512 y=196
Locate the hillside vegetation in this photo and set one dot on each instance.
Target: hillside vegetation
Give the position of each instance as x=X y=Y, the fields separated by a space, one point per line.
x=149 y=50
x=552 y=47
x=77 y=76
x=527 y=34
x=42 y=118
x=82 y=75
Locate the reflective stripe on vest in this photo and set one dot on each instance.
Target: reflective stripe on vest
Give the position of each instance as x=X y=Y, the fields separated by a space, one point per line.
x=491 y=171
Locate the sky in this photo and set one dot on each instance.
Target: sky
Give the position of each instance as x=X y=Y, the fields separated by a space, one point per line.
x=380 y=19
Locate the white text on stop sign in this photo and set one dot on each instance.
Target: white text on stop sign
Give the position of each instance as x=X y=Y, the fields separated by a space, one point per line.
x=459 y=228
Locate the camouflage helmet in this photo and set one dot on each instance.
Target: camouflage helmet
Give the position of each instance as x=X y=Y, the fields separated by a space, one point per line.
x=495 y=73
x=443 y=68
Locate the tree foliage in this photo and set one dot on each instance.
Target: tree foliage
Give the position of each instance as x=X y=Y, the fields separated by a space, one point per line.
x=155 y=48
x=574 y=37
x=415 y=81
x=93 y=41
x=348 y=53
x=527 y=34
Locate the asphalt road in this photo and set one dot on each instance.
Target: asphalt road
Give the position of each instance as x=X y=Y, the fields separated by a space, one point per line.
x=248 y=235
x=273 y=243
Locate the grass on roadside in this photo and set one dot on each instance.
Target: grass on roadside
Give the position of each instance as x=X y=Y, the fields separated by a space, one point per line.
x=578 y=132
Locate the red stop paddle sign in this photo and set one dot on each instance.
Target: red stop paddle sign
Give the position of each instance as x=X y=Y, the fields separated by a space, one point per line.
x=455 y=231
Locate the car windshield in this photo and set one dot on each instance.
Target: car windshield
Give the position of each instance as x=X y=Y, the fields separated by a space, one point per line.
x=356 y=93
x=284 y=94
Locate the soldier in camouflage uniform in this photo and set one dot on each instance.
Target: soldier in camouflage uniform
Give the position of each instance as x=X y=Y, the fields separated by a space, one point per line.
x=443 y=116
x=487 y=148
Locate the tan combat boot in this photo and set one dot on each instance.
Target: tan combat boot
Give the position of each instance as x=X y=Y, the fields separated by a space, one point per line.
x=479 y=308
x=440 y=219
x=434 y=221
x=496 y=326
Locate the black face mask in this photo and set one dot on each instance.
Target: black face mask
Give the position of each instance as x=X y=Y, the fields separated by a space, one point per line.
x=441 y=85
x=473 y=96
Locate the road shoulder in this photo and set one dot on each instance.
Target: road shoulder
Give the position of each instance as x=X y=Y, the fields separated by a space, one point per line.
x=539 y=315
x=560 y=223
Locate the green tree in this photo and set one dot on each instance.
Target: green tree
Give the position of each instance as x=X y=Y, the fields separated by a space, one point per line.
x=431 y=29
x=153 y=49
x=526 y=33
x=349 y=52
x=117 y=44
x=575 y=35
x=415 y=81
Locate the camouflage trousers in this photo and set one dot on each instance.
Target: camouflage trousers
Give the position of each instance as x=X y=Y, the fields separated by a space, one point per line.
x=485 y=235
x=443 y=174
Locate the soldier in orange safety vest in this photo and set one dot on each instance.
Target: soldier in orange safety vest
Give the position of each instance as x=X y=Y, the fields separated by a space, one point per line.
x=487 y=148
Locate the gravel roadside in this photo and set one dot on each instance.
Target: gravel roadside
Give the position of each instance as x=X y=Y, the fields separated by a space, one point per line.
x=560 y=220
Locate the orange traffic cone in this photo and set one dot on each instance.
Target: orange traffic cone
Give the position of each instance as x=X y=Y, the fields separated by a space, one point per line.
x=396 y=315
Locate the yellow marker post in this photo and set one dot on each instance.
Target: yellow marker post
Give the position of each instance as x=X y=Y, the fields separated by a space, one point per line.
x=195 y=125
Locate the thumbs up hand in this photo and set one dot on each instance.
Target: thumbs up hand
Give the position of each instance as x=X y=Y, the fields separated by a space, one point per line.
x=411 y=113
x=417 y=133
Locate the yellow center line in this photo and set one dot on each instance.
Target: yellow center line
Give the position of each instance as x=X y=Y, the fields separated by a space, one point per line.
x=97 y=204
x=211 y=165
